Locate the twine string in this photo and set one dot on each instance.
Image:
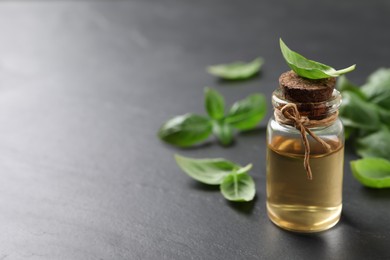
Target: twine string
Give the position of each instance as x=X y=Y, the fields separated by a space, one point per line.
x=289 y=114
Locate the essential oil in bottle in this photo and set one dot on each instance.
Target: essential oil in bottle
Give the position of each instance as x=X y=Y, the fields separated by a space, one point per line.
x=305 y=155
x=293 y=201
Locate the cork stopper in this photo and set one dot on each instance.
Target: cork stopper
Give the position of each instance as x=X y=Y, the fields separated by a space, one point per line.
x=307 y=93
x=302 y=90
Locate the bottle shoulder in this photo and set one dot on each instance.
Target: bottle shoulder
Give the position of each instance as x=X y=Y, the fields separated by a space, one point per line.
x=335 y=128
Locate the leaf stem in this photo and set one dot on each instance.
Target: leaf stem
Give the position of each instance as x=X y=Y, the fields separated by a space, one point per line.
x=343 y=71
x=235 y=184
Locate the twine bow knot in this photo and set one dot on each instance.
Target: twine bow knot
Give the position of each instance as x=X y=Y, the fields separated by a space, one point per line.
x=290 y=115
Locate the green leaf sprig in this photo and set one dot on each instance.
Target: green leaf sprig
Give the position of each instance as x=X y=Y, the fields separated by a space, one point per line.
x=308 y=68
x=190 y=129
x=237 y=70
x=365 y=112
x=235 y=182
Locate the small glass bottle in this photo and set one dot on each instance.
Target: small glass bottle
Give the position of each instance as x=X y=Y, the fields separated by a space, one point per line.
x=294 y=201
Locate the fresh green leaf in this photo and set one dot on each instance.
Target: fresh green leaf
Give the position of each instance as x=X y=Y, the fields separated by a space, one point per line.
x=372 y=172
x=223 y=131
x=236 y=70
x=185 y=130
x=209 y=171
x=247 y=113
x=308 y=68
x=238 y=187
x=357 y=113
x=215 y=103
x=375 y=145
x=365 y=112
x=343 y=84
x=384 y=115
x=377 y=88
x=189 y=129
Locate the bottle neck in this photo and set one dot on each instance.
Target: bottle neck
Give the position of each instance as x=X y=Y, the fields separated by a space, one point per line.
x=290 y=115
x=313 y=111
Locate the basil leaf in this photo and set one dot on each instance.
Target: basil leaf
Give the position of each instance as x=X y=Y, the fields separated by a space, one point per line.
x=372 y=172
x=308 y=68
x=384 y=115
x=238 y=187
x=377 y=88
x=236 y=70
x=223 y=131
x=343 y=84
x=247 y=113
x=185 y=130
x=209 y=171
x=375 y=145
x=357 y=113
x=215 y=103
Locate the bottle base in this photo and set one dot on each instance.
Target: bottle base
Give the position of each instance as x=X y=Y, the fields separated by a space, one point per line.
x=303 y=219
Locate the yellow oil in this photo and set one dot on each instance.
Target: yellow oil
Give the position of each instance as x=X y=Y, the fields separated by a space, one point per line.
x=293 y=201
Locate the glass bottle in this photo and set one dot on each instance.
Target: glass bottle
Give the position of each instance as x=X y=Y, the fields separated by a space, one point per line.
x=294 y=202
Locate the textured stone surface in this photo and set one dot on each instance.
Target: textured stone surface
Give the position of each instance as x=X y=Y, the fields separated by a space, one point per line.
x=84 y=86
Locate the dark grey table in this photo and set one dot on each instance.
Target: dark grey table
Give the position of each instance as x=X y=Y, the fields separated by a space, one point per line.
x=84 y=86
